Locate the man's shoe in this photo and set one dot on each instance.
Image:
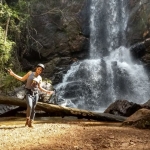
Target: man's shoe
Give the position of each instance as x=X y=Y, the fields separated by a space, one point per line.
x=30 y=124
x=27 y=121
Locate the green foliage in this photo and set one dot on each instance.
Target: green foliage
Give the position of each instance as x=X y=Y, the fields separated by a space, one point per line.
x=5 y=48
x=5 y=11
x=9 y=82
x=13 y=20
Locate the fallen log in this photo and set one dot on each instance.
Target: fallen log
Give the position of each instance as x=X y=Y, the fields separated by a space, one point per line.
x=63 y=111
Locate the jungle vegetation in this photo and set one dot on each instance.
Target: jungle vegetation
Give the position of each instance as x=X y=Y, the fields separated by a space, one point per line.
x=14 y=21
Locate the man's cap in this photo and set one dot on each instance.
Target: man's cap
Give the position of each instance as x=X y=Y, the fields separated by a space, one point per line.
x=41 y=65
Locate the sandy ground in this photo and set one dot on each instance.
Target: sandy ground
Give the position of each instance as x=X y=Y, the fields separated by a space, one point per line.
x=70 y=134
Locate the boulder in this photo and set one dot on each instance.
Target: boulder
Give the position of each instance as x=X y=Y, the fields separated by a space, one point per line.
x=140 y=119
x=122 y=108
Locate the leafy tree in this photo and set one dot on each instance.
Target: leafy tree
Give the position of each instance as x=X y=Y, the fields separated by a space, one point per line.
x=13 y=22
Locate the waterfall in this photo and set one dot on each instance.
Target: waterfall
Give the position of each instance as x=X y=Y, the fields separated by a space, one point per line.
x=108 y=22
x=109 y=73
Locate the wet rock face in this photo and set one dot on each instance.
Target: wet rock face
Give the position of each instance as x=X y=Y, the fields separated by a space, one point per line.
x=141 y=51
x=138 y=26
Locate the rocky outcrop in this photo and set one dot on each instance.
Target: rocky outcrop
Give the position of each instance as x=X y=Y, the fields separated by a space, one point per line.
x=57 y=35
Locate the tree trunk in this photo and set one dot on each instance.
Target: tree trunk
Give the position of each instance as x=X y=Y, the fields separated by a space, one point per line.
x=63 y=111
x=7 y=24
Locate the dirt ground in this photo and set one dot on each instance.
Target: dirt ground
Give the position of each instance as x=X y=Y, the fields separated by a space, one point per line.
x=56 y=133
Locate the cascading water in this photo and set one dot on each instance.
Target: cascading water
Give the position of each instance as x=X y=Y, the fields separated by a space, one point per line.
x=109 y=74
x=108 y=22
